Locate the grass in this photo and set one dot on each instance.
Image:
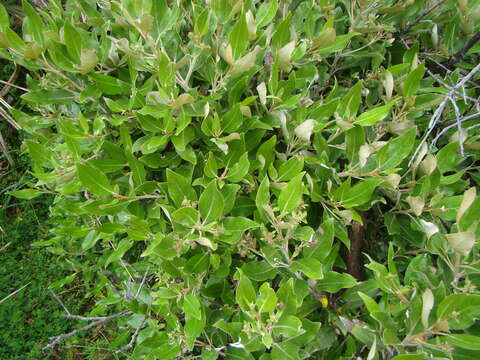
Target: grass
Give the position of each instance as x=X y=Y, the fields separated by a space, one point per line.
x=31 y=316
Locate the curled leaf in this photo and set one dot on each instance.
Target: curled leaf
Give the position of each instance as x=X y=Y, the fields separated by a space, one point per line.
x=304 y=130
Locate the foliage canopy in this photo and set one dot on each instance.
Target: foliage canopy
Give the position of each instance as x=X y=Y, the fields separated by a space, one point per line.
x=210 y=161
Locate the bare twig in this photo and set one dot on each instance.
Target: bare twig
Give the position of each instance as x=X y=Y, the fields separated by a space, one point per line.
x=459 y=55
x=451 y=126
x=58 y=339
x=60 y=302
x=10 y=82
x=7 y=117
x=13 y=293
x=129 y=346
x=438 y=112
x=4 y=149
x=69 y=315
x=421 y=16
x=142 y=283
x=13 y=85
x=459 y=126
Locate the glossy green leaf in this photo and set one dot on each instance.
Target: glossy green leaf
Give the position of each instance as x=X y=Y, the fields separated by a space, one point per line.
x=211 y=203
x=291 y=195
x=94 y=180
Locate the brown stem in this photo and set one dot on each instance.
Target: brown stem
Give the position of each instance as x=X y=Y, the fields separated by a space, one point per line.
x=459 y=55
x=352 y=256
x=422 y=15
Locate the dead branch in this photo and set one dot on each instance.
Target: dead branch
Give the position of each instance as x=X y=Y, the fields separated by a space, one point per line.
x=58 y=339
x=421 y=16
x=459 y=55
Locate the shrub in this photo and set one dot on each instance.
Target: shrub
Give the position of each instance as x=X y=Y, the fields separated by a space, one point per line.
x=218 y=168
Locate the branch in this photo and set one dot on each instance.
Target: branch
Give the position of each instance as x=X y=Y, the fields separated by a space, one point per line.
x=13 y=293
x=58 y=339
x=458 y=56
x=438 y=112
x=421 y=16
x=456 y=124
x=129 y=346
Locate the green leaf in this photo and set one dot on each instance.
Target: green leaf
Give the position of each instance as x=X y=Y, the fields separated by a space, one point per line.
x=285 y=351
x=179 y=188
x=396 y=150
x=192 y=307
x=211 y=203
x=4 y=18
x=340 y=43
x=288 y=170
x=245 y=293
x=333 y=281
x=288 y=326
x=186 y=216
x=94 y=180
x=447 y=157
x=464 y=341
x=354 y=139
x=239 y=170
x=123 y=246
x=266 y=12
x=412 y=83
x=309 y=266
x=371 y=117
x=57 y=96
x=197 y=264
x=263 y=195
x=350 y=103
x=291 y=195
x=259 y=270
x=110 y=85
x=409 y=357
x=26 y=194
x=267 y=299
x=359 y=194
x=34 y=22
x=371 y=305
x=238 y=38
x=137 y=169
x=73 y=42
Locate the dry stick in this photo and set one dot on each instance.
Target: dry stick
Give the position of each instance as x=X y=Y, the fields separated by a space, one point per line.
x=10 y=82
x=462 y=120
x=458 y=56
x=129 y=346
x=57 y=339
x=438 y=112
x=13 y=293
x=4 y=149
x=69 y=315
x=421 y=16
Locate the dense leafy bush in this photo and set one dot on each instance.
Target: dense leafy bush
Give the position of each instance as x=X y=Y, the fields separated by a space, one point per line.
x=218 y=168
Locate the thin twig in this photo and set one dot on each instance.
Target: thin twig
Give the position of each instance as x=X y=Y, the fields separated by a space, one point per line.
x=69 y=315
x=58 y=339
x=451 y=126
x=10 y=120
x=13 y=293
x=421 y=16
x=4 y=149
x=459 y=55
x=129 y=346
x=13 y=85
x=10 y=82
x=142 y=283
x=438 y=112
x=459 y=126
